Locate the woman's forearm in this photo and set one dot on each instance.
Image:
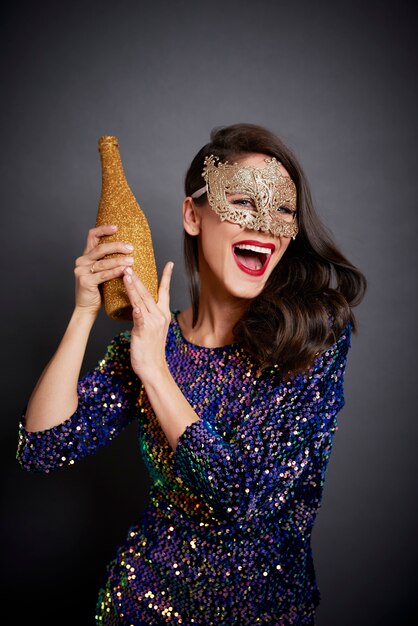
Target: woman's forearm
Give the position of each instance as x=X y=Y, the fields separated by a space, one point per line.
x=54 y=398
x=170 y=406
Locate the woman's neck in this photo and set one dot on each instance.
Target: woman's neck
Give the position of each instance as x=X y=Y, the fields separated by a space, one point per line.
x=216 y=319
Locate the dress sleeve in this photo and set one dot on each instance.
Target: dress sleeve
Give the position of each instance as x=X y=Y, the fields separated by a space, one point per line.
x=277 y=441
x=106 y=404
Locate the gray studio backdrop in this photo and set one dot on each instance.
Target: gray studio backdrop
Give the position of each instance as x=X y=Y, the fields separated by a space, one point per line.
x=336 y=81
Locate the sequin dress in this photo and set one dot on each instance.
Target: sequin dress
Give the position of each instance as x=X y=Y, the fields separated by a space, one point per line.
x=225 y=536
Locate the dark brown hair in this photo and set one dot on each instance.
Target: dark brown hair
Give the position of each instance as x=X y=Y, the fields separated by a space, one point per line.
x=308 y=299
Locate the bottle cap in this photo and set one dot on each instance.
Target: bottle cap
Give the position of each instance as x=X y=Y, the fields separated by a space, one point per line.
x=108 y=140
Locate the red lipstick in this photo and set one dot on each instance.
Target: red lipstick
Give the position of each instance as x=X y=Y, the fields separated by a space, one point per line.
x=263 y=257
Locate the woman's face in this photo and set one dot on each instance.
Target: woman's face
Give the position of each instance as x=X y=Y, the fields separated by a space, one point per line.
x=234 y=260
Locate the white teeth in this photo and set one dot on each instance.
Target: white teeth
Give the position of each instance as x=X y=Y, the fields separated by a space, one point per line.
x=247 y=246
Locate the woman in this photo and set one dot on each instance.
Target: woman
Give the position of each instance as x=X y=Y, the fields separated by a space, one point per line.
x=236 y=397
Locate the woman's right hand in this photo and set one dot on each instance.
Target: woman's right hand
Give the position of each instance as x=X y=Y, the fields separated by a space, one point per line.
x=92 y=269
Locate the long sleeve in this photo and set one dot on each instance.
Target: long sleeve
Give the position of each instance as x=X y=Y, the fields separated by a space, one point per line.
x=278 y=440
x=106 y=404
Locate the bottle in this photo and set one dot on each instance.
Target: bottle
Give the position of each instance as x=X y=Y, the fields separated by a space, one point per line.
x=118 y=206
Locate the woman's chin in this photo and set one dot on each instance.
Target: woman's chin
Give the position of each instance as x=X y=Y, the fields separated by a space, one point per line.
x=245 y=292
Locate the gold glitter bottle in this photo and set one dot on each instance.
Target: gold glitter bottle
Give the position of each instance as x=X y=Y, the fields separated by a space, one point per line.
x=118 y=206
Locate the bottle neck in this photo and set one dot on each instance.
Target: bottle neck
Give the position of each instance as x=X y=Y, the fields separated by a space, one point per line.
x=112 y=168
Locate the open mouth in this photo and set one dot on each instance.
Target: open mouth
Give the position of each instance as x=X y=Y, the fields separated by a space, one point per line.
x=252 y=257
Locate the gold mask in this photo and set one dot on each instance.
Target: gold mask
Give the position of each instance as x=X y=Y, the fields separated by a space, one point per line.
x=266 y=199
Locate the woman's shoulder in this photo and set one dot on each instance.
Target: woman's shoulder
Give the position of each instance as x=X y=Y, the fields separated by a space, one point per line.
x=118 y=348
x=334 y=358
x=342 y=339
x=183 y=319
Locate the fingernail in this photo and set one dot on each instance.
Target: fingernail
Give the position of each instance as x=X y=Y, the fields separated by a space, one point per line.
x=113 y=226
x=171 y=265
x=128 y=270
x=129 y=259
x=129 y=246
x=128 y=278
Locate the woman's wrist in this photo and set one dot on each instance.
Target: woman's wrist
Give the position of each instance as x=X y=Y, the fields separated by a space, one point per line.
x=85 y=314
x=155 y=377
x=171 y=407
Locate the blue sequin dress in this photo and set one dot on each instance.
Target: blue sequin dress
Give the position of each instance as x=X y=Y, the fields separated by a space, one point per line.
x=225 y=536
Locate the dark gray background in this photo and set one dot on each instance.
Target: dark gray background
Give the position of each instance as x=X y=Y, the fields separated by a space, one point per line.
x=337 y=82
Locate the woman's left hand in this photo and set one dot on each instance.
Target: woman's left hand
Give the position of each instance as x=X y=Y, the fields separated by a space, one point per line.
x=150 y=323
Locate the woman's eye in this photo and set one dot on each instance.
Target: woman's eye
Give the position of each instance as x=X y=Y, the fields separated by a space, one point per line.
x=245 y=202
x=285 y=210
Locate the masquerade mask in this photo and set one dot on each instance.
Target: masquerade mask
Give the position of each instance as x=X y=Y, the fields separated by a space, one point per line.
x=253 y=197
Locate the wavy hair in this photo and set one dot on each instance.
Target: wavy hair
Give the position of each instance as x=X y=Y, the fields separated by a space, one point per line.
x=309 y=297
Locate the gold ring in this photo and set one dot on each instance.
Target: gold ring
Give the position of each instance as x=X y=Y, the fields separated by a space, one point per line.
x=92 y=270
